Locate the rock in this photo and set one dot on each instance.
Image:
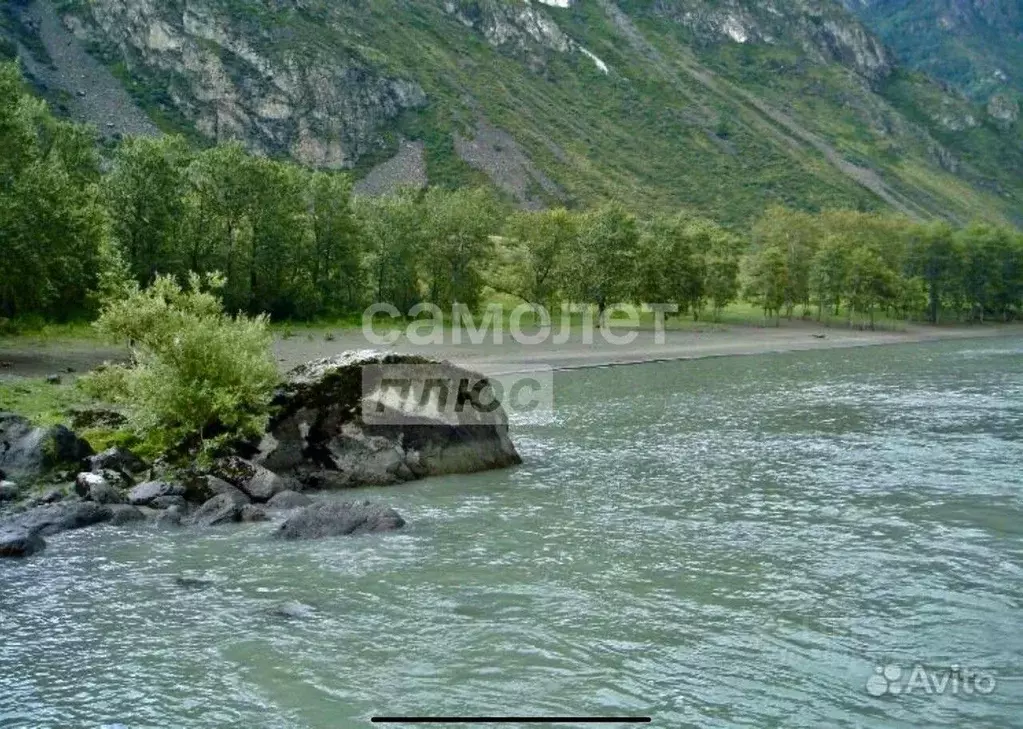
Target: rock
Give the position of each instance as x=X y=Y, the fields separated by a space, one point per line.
x=16 y=543
x=106 y=487
x=289 y=500
x=201 y=487
x=191 y=583
x=222 y=509
x=116 y=459
x=55 y=518
x=332 y=519
x=28 y=453
x=253 y=513
x=293 y=610
x=319 y=434
x=167 y=502
x=258 y=483
x=9 y=491
x=145 y=493
x=125 y=514
x=85 y=481
x=104 y=493
x=53 y=496
x=171 y=517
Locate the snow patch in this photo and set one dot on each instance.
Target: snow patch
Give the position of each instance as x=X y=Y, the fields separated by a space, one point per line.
x=600 y=64
x=557 y=3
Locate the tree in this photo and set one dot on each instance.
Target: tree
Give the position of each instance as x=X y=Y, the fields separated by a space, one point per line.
x=796 y=235
x=829 y=272
x=870 y=282
x=722 y=283
x=934 y=257
x=602 y=265
x=200 y=377
x=673 y=265
x=393 y=232
x=768 y=280
x=536 y=246
x=144 y=192
x=217 y=233
x=458 y=228
x=52 y=224
x=276 y=262
x=338 y=250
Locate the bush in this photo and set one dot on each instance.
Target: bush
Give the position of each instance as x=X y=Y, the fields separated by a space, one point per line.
x=199 y=377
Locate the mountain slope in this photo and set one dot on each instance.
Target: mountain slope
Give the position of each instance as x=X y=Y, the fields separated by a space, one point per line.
x=976 y=45
x=723 y=107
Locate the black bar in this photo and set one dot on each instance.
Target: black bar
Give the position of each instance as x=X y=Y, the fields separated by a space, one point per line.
x=511 y=720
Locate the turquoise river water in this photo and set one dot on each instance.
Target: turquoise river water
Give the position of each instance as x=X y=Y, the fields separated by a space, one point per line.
x=739 y=542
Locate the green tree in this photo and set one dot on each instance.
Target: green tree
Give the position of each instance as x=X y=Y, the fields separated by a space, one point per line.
x=200 y=377
x=392 y=228
x=217 y=233
x=602 y=266
x=934 y=257
x=338 y=248
x=458 y=226
x=144 y=192
x=871 y=283
x=52 y=225
x=829 y=272
x=722 y=283
x=673 y=261
x=535 y=247
x=767 y=280
x=277 y=260
x=796 y=235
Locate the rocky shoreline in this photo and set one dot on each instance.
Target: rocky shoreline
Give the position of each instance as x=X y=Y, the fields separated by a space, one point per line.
x=317 y=440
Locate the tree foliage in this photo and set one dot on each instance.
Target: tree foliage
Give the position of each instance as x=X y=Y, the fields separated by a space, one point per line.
x=53 y=226
x=199 y=376
x=295 y=244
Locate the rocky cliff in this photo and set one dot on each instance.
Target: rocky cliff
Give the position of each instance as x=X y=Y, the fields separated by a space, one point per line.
x=975 y=45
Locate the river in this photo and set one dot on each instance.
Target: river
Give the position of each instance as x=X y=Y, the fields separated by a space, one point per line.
x=726 y=542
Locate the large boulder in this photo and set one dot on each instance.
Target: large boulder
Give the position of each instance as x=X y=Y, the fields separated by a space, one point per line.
x=171 y=517
x=55 y=518
x=19 y=543
x=335 y=519
x=320 y=434
x=146 y=493
x=28 y=453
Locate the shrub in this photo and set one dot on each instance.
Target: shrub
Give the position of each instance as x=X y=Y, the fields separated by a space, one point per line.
x=199 y=377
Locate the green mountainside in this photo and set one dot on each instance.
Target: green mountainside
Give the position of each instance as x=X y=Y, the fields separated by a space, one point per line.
x=724 y=107
x=976 y=45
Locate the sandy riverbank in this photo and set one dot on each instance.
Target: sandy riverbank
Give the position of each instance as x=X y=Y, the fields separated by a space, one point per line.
x=41 y=359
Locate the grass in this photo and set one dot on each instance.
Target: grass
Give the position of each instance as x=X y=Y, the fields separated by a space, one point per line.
x=38 y=332
x=39 y=401
x=45 y=404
